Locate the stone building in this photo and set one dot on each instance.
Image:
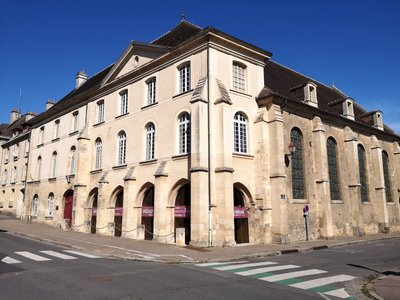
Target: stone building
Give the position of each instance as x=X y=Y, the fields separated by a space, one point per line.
x=198 y=137
x=14 y=142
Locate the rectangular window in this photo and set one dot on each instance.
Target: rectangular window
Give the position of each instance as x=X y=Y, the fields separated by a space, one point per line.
x=151 y=91
x=184 y=78
x=239 y=79
x=75 y=120
x=56 y=132
x=100 y=111
x=41 y=136
x=124 y=102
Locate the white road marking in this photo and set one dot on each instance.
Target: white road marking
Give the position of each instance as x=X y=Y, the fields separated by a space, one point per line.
x=292 y=275
x=81 y=254
x=32 y=256
x=339 y=293
x=58 y=255
x=9 y=260
x=305 y=285
x=267 y=269
x=232 y=267
x=210 y=264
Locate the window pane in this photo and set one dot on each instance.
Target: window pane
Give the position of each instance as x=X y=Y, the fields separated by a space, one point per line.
x=333 y=169
x=184 y=133
x=240 y=133
x=297 y=165
x=150 y=136
x=385 y=161
x=362 y=173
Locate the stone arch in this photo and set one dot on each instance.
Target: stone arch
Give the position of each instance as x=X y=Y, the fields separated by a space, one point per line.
x=117 y=202
x=242 y=202
x=68 y=200
x=91 y=214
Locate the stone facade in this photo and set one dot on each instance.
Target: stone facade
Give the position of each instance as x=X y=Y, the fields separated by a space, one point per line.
x=118 y=162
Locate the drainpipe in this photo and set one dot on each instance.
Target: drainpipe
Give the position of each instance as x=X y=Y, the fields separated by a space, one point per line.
x=26 y=169
x=209 y=146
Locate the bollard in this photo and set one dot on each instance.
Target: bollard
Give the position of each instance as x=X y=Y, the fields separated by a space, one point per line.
x=180 y=237
x=306 y=212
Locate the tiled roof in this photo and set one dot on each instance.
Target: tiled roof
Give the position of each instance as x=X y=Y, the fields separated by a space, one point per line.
x=182 y=32
x=286 y=82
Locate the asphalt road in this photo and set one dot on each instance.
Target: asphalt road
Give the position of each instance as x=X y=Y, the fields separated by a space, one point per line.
x=44 y=271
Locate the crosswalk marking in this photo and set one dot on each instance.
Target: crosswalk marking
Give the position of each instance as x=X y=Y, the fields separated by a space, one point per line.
x=339 y=293
x=265 y=270
x=32 y=256
x=58 y=255
x=215 y=264
x=239 y=266
x=292 y=275
x=305 y=285
x=9 y=260
x=81 y=254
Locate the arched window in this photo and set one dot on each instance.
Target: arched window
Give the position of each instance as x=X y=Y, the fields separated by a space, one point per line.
x=331 y=149
x=121 y=148
x=98 y=154
x=240 y=133
x=184 y=133
x=296 y=139
x=73 y=160
x=362 y=173
x=54 y=164
x=385 y=162
x=35 y=205
x=150 y=140
x=39 y=168
x=50 y=211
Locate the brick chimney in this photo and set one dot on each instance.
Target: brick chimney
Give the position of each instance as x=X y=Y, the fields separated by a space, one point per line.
x=81 y=78
x=15 y=115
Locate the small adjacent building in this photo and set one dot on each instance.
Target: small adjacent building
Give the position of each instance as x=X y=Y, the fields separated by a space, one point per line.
x=200 y=138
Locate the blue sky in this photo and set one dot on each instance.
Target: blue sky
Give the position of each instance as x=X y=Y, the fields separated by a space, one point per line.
x=353 y=44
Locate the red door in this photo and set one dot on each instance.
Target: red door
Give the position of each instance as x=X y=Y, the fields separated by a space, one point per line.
x=68 y=209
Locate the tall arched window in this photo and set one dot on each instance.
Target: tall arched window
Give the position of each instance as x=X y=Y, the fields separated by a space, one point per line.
x=331 y=149
x=240 y=133
x=184 y=133
x=385 y=162
x=121 y=148
x=54 y=164
x=50 y=211
x=73 y=160
x=98 y=154
x=296 y=139
x=150 y=140
x=39 y=168
x=362 y=173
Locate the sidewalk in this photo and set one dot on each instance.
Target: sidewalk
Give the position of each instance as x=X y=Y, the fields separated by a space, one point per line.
x=129 y=249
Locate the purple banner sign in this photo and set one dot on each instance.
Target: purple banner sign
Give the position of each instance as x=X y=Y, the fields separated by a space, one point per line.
x=118 y=211
x=240 y=212
x=94 y=211
x=148 y=211
x=182 y=211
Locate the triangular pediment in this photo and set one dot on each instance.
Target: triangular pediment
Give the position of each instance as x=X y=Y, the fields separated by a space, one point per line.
x=135 y=56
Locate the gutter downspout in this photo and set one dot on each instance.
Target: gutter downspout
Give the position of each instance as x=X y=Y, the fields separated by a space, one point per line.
x=209 y=146
x=26 y=171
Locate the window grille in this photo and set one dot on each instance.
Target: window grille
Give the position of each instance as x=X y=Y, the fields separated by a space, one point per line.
x=385 y=161
x=333 y=169
x=362 y=173
x=297 y=165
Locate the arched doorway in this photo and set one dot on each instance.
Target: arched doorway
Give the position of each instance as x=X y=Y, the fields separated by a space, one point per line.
x=182 y=211
x=119 y=203
x=68 y=204
x=93 y=219
x=241 y=217
x=148 y=213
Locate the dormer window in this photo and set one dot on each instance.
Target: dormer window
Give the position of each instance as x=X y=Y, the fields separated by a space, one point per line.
x=378 y=122
x=348 y=108
x=310 y=94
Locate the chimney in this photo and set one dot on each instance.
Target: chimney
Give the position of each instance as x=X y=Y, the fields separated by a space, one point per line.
x=29 y=115
x=15 y=115
x=81 y=78
x=50 y=103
